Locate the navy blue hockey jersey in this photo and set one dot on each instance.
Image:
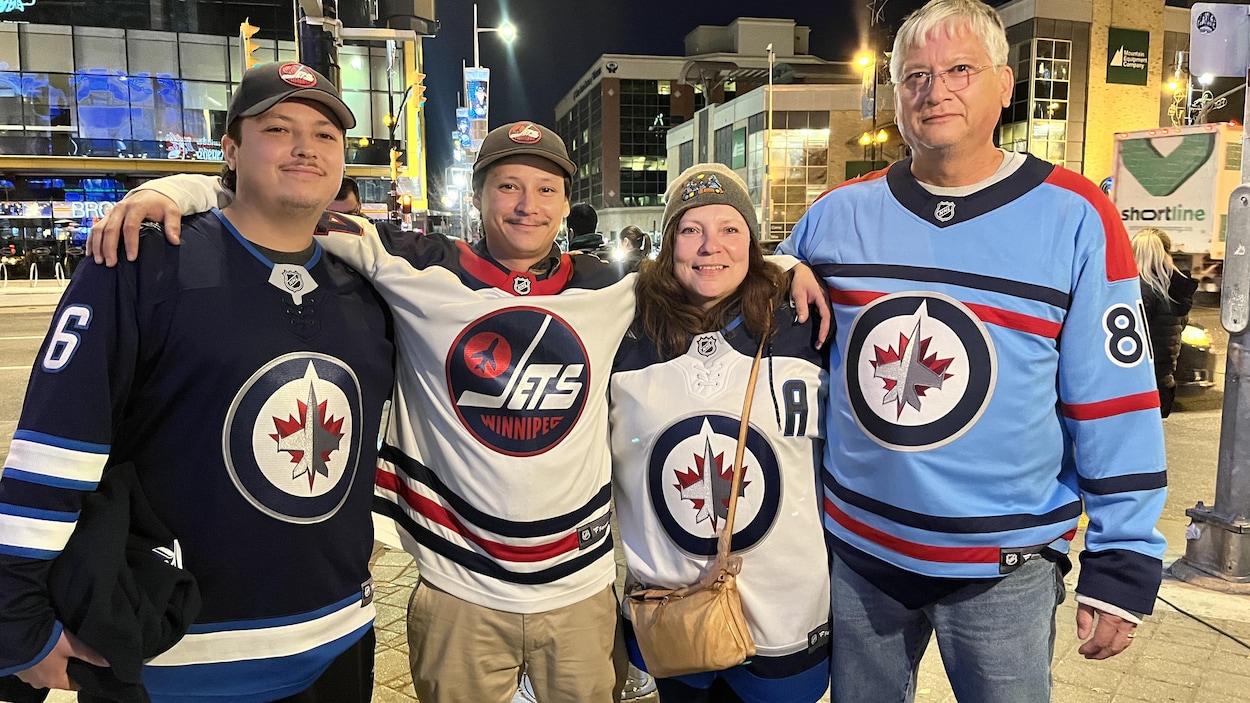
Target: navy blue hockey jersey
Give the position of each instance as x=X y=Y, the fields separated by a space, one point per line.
x=248 y=395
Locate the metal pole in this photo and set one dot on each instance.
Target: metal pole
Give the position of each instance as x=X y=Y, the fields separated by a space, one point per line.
x=477 y=63
x=768 y=154
x=1217 y=551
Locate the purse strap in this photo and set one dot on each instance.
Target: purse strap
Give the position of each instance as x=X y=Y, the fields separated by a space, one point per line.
x=726 y=534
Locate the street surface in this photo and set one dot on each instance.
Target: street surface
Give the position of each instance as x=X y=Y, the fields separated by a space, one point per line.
x=1169 y=659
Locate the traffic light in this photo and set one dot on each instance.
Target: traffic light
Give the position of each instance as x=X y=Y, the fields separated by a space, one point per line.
x=418 y=89
x=405 y=204
x=247 y=44
x=396 y=155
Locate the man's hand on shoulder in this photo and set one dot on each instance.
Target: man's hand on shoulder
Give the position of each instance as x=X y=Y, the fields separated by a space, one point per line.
x=124 y=221
x=51 y=672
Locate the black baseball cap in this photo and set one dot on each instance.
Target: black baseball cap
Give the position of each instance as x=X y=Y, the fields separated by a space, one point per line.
x=268 y=84
x=523 y=138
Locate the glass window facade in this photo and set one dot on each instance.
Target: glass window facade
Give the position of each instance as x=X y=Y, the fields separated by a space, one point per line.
x=91 y=91
x=645 y=119
x=799 y=166
x=582 y=131
x=1050 y=59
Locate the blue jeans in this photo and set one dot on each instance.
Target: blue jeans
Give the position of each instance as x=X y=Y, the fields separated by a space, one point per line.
x=996 y=639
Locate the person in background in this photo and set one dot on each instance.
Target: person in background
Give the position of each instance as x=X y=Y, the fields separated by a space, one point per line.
x=633 y=247
x=1167 y=295
x=583 y=232
x=704 y=306
x=994 y=385
x=348 y=199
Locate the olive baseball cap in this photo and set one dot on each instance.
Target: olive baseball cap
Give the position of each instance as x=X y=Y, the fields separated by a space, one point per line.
x=523 y=138
x=268 y=84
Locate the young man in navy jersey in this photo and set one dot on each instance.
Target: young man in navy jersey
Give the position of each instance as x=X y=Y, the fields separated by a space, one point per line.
x=243 y=375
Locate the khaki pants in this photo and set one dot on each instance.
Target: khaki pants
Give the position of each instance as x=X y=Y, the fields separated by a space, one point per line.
x=466 y=653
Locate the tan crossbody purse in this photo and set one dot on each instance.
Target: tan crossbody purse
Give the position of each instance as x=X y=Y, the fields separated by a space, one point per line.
x=700 y=627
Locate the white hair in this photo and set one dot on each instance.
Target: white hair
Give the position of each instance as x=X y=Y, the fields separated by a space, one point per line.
x=947 y=16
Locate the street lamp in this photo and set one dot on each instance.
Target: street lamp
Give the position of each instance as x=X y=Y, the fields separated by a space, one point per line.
x=507 y=31
x=768 y=155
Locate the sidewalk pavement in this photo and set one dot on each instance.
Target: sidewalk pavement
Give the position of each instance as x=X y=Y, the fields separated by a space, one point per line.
x=1173 y=658
x=20 y=293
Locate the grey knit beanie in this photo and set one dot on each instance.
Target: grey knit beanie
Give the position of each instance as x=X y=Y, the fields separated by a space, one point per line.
x=709 y=184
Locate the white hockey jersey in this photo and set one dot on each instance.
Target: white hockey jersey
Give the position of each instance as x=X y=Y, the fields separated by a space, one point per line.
x=674 y=431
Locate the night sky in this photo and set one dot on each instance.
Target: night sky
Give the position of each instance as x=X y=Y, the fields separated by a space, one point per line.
x=558 y=39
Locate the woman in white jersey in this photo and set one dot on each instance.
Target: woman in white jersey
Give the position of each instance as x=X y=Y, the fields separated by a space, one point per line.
x=704 y=306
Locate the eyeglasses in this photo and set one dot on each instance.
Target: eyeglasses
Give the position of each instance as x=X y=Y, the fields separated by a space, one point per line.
x=955 y=79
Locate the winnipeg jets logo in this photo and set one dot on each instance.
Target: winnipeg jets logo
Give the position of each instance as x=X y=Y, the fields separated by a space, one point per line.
x=907 y=372
x=519 y=380
x=920 y=369
x=944 y=211
x=708 y=485
x=310 y=438
x=690 y=478
x=292 y=437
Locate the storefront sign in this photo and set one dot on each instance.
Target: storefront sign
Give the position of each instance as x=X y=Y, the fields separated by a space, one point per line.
x=15 y=5
x=181 y=146
x=80 y=210
x=1128 y=55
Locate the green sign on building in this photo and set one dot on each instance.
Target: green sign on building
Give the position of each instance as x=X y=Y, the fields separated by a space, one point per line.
x=1128 y=56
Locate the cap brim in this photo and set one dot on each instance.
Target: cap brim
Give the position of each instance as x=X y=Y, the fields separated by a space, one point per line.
x=564 y=164
x=344 y=114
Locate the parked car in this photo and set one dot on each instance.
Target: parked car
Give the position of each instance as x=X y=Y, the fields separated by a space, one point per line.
x=1195 y=367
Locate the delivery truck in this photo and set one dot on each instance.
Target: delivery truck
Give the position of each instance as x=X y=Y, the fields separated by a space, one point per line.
x=1179 y=179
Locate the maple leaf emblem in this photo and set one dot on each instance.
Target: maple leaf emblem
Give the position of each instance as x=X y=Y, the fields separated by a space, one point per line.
x=708 y=484
x=910 y=371
x=310 y=438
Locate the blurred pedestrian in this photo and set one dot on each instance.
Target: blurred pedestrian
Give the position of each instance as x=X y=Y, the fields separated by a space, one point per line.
x=347 y=200
x=1167 y=295
x=633 y=247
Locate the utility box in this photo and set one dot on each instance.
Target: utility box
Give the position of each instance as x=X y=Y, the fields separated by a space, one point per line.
x=1178 y=179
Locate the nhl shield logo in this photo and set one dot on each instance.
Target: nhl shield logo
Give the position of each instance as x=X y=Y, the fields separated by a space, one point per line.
x=518 y=378
x=945 y=211
x=690 y=476
x=920 y=370
x=293 y=281
x=521 y=285
x=706 y=345
x=292 y=437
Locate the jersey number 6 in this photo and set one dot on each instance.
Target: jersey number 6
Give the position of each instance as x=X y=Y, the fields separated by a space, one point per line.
x=64 y=341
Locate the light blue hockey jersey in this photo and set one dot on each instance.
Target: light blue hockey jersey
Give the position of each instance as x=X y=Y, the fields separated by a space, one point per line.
x=961 y=441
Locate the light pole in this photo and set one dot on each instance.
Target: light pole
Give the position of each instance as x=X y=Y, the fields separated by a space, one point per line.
x=506 y=30
x=768 y=154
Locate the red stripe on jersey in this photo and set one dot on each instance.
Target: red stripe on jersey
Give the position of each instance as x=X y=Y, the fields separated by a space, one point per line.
x=1114 y=406
x=1016 y=321
x=927 y=552
x=492 y=275
x=992 y=315
x=872 y=176
x=1120 y=263
x=437 y=513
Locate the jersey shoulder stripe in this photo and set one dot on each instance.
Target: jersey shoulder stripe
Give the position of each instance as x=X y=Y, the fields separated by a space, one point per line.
x=993 y=284
x=866 y=178
x=1120 y=263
